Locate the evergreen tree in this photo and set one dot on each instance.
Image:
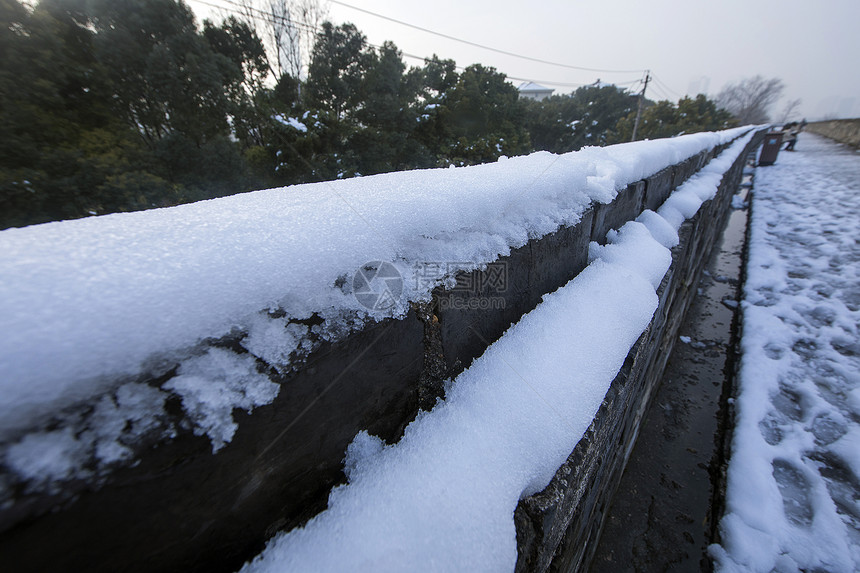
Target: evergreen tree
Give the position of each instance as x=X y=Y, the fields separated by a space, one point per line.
x=552 y=123
x=702 y=114
x=291 y=136
x=120 y=105
x=333 y=95
x=387 y=117
x=180 y=89
x=482 y=119
x=665 y=119
x=243 y=68
x=432 y=84
x=116 y=105
x=588 y=116
x=338 y=63
x=55 y=108
x=603 y=106
x=162 y=73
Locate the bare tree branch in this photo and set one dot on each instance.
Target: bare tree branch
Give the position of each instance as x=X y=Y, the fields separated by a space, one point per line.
x=288 y=29
x=750 y=99
x=790 y=109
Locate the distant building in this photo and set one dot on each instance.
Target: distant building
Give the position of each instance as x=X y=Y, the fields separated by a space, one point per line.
x=534 y=91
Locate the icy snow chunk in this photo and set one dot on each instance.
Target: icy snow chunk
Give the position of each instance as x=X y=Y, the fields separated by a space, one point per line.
x=680 y=206
x=48 y=456
x=362 y=451
x=687 y=201
x=118 y=422
x=86 y=444
x=635 y=248
x=140 y=405
x=274 y=340
x=213 y=384
x=107 y=424
x=602 y=188
x=660 y=229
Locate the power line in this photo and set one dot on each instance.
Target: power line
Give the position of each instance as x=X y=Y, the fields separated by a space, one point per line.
x=482 y=46
x=665 y=87
x=258 y=14
x=659 y=92
x=272 y=17
x=546 y=82
x=543 y=82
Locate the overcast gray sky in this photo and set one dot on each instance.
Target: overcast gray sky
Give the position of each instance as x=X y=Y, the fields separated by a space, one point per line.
x=689 y=46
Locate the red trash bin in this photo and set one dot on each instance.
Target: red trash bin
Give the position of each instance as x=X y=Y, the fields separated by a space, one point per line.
x=770 y=148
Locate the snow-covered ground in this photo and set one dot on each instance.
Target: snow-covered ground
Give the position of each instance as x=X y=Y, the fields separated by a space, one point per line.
x=793 y=501
x=443 y=498
x=93 y=308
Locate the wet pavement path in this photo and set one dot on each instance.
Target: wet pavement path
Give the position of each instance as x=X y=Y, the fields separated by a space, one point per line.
x=661 y=517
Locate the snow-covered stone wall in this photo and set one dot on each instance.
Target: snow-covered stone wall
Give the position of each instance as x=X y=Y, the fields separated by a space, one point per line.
x=842 y=130
x=180 y=383
x=560 y=526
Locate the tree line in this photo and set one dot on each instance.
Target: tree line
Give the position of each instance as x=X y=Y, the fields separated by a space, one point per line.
x=122 y=105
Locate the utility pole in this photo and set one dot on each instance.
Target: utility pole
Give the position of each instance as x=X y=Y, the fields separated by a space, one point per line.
x=641 y=104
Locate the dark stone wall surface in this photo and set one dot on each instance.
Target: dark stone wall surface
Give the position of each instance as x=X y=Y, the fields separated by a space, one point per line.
x=184 y=508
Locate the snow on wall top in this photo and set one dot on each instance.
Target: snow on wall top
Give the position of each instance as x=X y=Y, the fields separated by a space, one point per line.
x=443 y=497
x=88 y=304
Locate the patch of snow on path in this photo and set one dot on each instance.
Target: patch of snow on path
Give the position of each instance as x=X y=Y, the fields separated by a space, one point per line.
x=793 y=499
